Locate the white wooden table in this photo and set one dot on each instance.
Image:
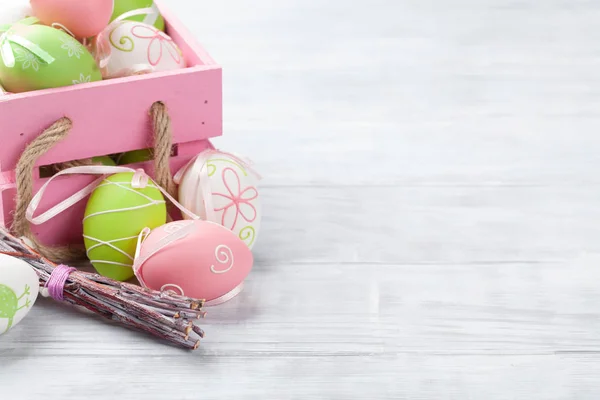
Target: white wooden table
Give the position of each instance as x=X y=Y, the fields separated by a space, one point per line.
x=432 y=213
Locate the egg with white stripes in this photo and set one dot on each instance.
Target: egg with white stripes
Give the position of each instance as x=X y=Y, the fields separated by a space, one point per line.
x=117 y=211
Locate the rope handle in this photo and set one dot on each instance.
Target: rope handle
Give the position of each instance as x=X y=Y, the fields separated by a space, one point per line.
x=48 y=139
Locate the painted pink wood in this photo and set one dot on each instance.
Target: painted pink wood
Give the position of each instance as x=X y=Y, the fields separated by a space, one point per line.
x=110 y=117
x=67 y=227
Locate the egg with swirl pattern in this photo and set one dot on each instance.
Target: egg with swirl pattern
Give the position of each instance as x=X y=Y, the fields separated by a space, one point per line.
x=128 y=48
x=194 y=258
x=222 y=188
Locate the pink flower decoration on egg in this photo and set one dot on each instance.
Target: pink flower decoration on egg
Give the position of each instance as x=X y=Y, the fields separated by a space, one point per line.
x=158 y=41
x=240 y=199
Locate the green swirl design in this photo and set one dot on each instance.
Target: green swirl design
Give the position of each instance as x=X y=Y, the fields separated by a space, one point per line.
x=124 y=41
x=248 y=233
x=214 y=167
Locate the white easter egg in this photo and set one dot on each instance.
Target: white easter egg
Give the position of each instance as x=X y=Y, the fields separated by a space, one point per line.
x=135 y=47
x=234 y=196
x=15 y=11
x=19 y=285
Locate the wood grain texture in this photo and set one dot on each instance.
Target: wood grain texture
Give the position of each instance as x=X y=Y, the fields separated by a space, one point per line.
x=431 y=206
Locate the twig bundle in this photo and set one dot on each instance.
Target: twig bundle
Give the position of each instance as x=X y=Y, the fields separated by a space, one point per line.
x=166 y=315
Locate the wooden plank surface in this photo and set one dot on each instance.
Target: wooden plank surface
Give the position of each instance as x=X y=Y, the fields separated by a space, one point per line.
x=431 y=211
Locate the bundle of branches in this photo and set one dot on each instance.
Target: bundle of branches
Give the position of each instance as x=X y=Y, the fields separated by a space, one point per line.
x=166 y=314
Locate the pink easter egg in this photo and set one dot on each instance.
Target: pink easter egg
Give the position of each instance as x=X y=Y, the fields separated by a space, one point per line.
x=198 y=259
x=84 y=18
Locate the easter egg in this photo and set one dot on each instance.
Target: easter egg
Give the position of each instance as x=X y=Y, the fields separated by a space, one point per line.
x=116 y=212
x=15 y=11
x=19 y=285
x=104 y=160
x=83 y=18
x=135 y=156
x=198 y=259
x=123 y=6
x=234 y=196
x=42 y=58
x=134 y=47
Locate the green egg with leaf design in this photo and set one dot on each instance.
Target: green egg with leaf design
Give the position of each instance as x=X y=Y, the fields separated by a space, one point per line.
x=35 y=57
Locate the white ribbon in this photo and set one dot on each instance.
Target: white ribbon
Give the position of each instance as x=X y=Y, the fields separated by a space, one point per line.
x=10 y=35
x=6 y=51
x=164 y=242
x=152 y=17
x=226 y=297
x=140 y=180
x=197 y=168
x=59 y=26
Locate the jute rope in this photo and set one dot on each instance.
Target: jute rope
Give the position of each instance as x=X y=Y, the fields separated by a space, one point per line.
x=50 y=138
x=70 y=164
x=24 y=175
x=163 y=142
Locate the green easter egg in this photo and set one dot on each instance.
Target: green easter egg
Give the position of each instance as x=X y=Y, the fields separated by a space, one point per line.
x=135 y=156
x=123 y=6
x=115 y=215
x=104 y=160
x=45 y=58
x=27 y=20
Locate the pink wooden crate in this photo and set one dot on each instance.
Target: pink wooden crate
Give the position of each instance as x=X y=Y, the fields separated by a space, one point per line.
x=109 y=117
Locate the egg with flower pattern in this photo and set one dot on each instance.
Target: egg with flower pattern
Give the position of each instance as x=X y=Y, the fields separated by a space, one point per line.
x=221 y=188
x=34 y=57
x=131 y=48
